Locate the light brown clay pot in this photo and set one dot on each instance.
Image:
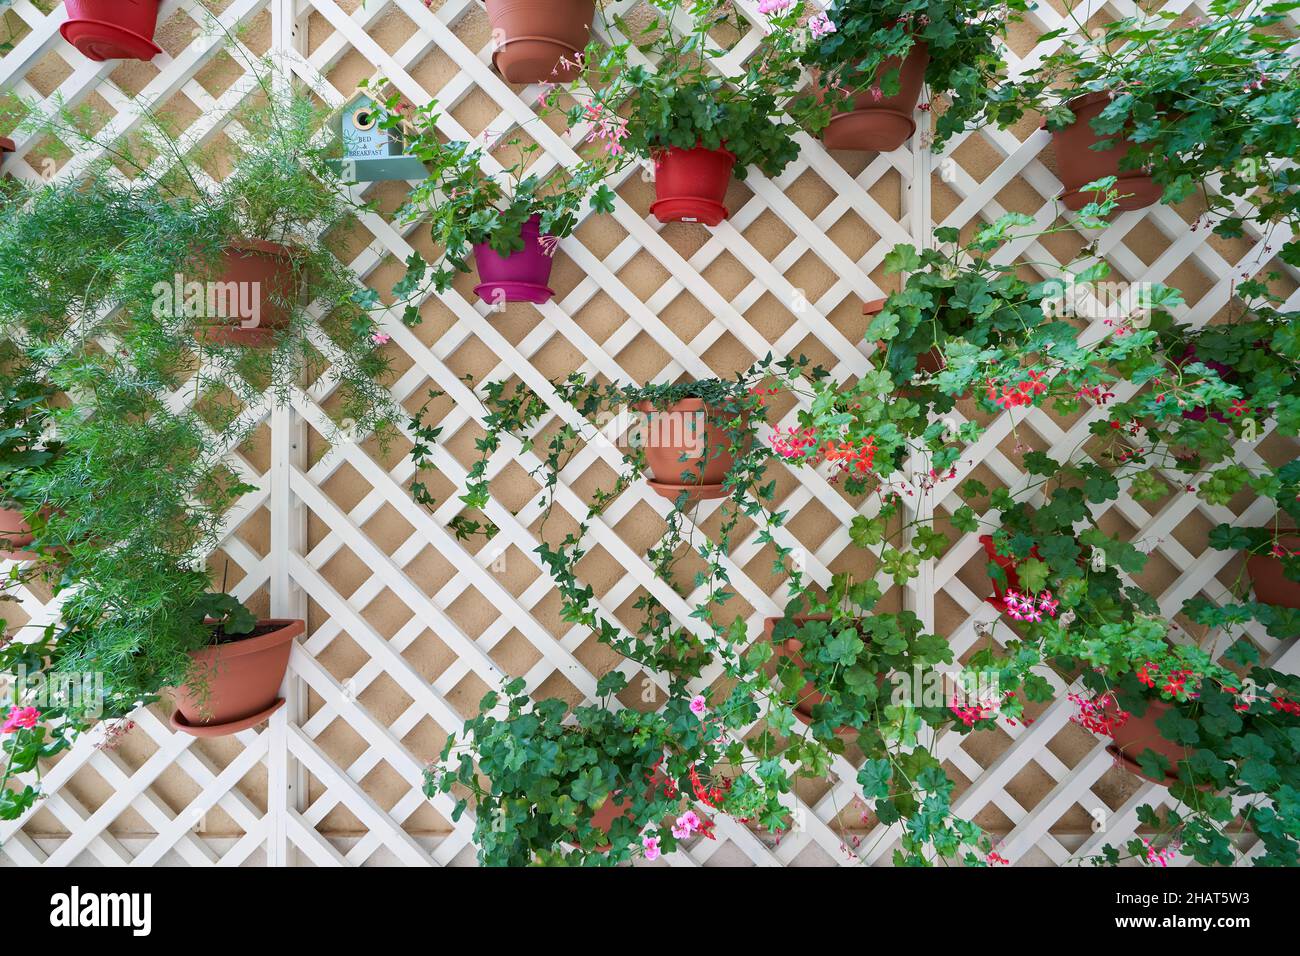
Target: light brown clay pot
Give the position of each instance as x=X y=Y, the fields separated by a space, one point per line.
x=885 y=124
x=686 y=449
x=531 y=37
x=1138 y=734
x=269 y=268
x=1271 y=585
x=15 y=536
x=1077 y=164
x=243 y=680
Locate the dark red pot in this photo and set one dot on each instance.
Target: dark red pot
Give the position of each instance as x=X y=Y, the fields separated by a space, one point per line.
x=1271 y=585
x=243 y=681
x=268 y=269
x=532 y=37
x=885 y=124
x=112 y=29
x=691 y=184
x=1077 y=164
x=6 y=146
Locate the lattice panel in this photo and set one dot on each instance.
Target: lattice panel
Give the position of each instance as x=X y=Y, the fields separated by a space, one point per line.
x=407 y=626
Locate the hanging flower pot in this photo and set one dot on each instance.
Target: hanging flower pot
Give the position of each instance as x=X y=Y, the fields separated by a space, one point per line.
x=616 y=805
x=112 y=29
x=1272 y=586
x=532 y=37
x=252 y=300
x=1008 y=566
x=808 y=696
x=520 y=276
x=6 y=146
x=691 y=184
x=1078 y=164
x=15 y=536
x=877 y=123
x=242 y=679
x=1134 y=735
x=686 y=449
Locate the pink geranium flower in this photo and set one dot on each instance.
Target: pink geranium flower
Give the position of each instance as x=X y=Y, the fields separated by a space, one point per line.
x=698 y=705
x=651 y=846
x=21 y=718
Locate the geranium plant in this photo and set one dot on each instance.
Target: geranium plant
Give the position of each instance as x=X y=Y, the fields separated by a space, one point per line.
x=1213 y=97
x=851 y=40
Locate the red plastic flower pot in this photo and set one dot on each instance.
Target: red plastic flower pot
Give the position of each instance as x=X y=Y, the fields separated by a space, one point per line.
x=1077 y=164
x=522 y=276
x=257 y=284
x=686 y=449
x=1271 y=585
x=242 y=681
x=879 y=123
x=691 y=184
x=538 y=41
x=112 y=29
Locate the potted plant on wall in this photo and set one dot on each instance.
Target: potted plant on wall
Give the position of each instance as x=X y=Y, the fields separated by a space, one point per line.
x=536 y=41
x=24 y=446
x=139 y=495
x=871 y=59
x=697 y=127
x=1167 y=109
x=112 y=29
x=508 y=222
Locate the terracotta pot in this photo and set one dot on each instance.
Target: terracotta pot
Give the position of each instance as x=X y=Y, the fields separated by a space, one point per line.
x=1271 y=585
x=531 y=37
x=112 y=29
x=15 y=536
x=263 y=277
x=691 y=184
x=885 y=124
x=1077 y=164
x=6 y=146
x=677 y=441
x=1138 y=734
x=522 y=276
x=243 y=680
x=613 y=808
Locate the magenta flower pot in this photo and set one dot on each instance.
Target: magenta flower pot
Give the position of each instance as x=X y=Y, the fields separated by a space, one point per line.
x=519 y=277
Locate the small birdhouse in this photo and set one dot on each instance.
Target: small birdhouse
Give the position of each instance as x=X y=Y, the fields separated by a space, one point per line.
x=370 y=152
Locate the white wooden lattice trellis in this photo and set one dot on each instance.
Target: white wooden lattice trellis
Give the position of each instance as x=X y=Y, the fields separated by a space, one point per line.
x=334 y=778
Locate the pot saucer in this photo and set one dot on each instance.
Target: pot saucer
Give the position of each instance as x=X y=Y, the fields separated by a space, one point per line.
x=689 y=209
x=869 y=130
x=181 y=725
x=514 y=292
x=697 y=492
x=100 y=41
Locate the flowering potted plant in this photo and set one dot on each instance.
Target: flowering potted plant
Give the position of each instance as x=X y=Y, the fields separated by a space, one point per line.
x=509 y=222
x=1169 y=108
x=872 y=58
x=697 y=126
x=24 y=446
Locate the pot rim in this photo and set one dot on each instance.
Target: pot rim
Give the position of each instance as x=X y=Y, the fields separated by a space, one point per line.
x=287 y=629
x=660 y=152
x=681 y=405
x=278 y=249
